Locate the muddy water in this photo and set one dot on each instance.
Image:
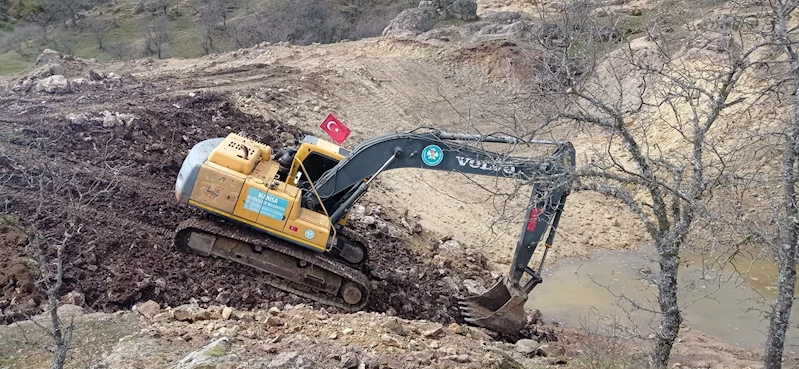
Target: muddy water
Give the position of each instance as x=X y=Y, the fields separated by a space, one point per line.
x=580 y=293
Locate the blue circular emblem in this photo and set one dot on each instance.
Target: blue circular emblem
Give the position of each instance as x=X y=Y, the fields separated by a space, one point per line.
x=432 y=155
x=310 y=234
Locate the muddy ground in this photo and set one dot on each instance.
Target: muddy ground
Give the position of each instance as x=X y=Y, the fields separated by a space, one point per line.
x=123 y=253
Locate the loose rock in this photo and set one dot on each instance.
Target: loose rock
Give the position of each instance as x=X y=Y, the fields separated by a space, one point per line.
x=551 y=350
x=94 y=76
x=526 y=347
x=48 y=56
x=451 y=247
x=291 y=360
x=349 y=360
x=411 y=22
x=473 y=287
x=227 y=312
x=23 y=86
x=49 y=70
x=433 y=333
x=455 y=328
x=56 y=84
x=149 y=308
x=272 y=321
x=462 y=358
x=388 y=340
x=74 y=298
x=396 y=326
x=190 y=312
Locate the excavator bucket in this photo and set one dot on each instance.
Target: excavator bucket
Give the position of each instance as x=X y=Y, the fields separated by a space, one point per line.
x=500 y=309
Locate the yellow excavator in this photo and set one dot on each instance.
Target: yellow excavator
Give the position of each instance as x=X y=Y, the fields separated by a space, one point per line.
x=285 y=212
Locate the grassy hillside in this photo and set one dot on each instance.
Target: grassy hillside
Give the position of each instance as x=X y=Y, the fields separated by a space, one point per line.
x=127 y=29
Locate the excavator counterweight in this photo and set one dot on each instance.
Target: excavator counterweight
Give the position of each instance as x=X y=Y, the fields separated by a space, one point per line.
x=285 y=213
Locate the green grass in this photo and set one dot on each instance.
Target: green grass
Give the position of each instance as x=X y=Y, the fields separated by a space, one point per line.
x=218 y=350
x=185 y=37
x=12 y=63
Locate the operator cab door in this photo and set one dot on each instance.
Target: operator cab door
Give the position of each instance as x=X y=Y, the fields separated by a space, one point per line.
x=317 y=157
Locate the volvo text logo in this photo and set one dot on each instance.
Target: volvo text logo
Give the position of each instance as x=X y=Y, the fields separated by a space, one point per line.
x=477 y=164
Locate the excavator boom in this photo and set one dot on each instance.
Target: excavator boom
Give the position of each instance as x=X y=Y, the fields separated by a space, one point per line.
x=501 y=307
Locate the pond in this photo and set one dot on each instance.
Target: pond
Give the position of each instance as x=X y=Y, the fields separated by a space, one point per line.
x=724 y=304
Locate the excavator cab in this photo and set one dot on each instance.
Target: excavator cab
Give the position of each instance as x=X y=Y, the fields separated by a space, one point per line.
x=310 y=160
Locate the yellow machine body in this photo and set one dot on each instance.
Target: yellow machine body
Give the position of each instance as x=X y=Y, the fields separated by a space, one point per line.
x=239 y=181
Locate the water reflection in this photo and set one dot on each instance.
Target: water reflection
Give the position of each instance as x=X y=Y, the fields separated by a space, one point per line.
x=723 y=304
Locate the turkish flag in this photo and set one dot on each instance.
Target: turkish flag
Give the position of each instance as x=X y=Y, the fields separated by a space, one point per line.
x=335 y=129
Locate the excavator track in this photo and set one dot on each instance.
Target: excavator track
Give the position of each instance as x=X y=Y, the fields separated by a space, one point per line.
x=285 y=265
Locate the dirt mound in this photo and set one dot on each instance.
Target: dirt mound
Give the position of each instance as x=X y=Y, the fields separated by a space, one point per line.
x=124 y=253
x=19 y=294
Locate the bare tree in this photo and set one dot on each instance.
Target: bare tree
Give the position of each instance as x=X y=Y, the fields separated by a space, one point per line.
x=21 y=38
x=299 y=21
x=162 y=5
x=210 y=19
x=65 y=40
x=54 y=226
x=51 y=270
x=632 y=93
x=217 y=10
x=157 y=34
x=120 y=49
x=784 y=37
x=66 y=11
x=99 y=28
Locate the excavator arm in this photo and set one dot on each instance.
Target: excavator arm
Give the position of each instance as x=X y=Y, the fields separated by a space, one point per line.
x=501 y=307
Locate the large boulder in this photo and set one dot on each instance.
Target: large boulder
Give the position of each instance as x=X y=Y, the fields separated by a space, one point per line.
x=56 y=84
x=48 y=70
x=48 y=56
x=411 y=22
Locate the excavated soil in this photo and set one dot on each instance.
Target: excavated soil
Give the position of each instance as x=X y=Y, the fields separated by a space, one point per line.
x=124 y=253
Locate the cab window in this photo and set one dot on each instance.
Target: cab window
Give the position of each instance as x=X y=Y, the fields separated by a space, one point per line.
x=317 y=164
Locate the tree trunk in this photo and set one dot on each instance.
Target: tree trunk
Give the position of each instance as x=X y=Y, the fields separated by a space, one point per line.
x=775 y=343
x=670 y=318
x=61 y=343
x=60 y=355
x=785 y=255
